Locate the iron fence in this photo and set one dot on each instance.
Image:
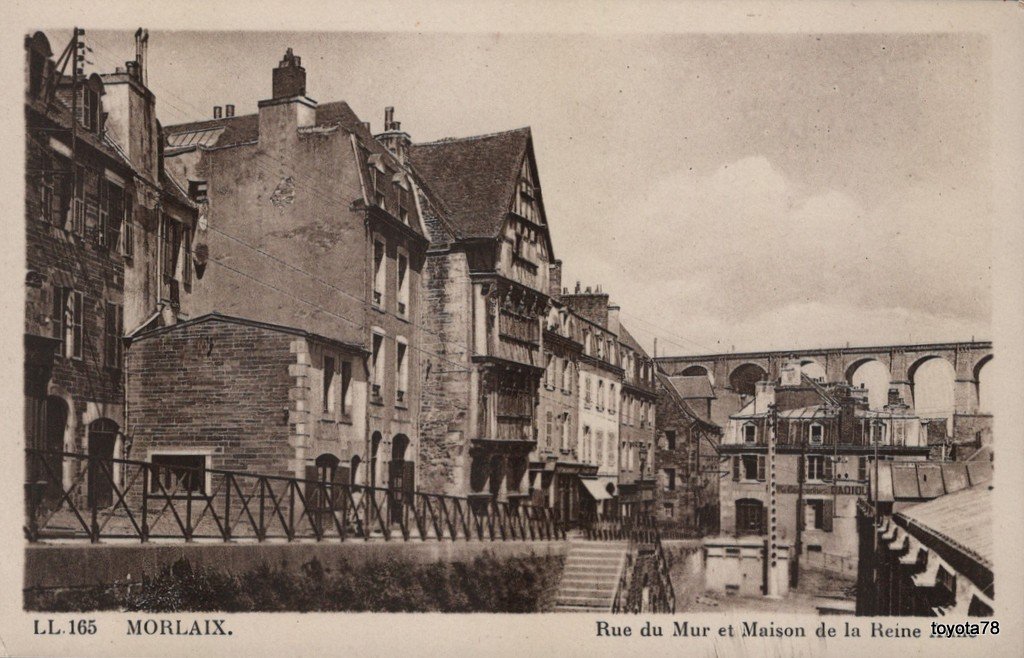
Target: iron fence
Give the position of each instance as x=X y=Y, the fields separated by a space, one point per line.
x=78 y=496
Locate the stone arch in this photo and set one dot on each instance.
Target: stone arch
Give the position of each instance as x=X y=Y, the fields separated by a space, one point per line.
x=326 y=467
x=874 y=375
x=981 y=388
x=744 y=377
x=934 y=395
x=813 y=369
x=697 y=370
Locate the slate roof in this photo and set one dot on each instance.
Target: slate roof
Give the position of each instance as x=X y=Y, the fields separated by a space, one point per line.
x=693 y=387
x=244 y=129
x=627 y=339
x=924 y=480
x=963 y=519
x=683 y=405
x=475 y=177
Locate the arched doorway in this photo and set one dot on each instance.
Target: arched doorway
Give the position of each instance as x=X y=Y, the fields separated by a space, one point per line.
x=749 y=516
x=375 y=441
x=102 y=439
x=49 y=466
x=743 y=379
x=400 y=477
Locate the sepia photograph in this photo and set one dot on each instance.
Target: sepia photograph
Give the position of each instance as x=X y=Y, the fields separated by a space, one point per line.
x=618 y=324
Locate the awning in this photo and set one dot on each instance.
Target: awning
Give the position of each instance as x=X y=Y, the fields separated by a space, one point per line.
x=596 y=489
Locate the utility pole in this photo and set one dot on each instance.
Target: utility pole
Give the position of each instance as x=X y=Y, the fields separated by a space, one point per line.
x=772 y=589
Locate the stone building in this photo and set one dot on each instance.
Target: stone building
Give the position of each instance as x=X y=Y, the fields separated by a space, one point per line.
x=231 y=393
x=556 y=467
x=637 y=423
x=687 y=462
x=826 y=439
x=312 y=223
x=107 y=233
x=486 y=295
x=600 y=382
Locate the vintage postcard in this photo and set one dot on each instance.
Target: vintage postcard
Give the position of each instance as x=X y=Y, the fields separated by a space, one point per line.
x=598 y=328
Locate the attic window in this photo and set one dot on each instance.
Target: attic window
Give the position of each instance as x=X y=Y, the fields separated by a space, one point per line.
x=90 y=109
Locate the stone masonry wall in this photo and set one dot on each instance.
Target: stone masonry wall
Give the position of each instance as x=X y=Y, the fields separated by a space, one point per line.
x=216 y=387
x=445 y=400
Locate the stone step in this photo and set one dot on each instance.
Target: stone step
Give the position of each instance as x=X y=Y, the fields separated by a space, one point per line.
x=580 y=608
x=604 y=602
x=597 y=567
x=586 y=591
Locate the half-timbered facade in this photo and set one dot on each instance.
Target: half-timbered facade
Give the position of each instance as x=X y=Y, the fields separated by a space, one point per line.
x=487 y=289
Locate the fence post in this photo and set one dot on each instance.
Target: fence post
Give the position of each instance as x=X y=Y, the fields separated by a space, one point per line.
x=147 y=474
x=188 y=512
x=94 y=529
x=228 y=481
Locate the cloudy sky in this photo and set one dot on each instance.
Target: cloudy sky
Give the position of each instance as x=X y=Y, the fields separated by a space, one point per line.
x=730 y=191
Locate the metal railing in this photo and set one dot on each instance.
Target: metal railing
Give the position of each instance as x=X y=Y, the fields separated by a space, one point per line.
x=643 y=546
x=135 y=500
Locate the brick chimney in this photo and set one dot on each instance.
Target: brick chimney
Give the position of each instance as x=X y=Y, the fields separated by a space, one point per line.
x=289 y=77
x=131 y=110
x=555 y=279
x=393 y=138
x=289 y=109
x=591 y=304
x=613 y=318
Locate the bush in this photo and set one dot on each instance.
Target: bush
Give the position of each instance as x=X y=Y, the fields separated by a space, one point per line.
x=385 y=584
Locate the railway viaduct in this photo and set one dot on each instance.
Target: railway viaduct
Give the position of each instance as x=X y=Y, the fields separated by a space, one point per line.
x=739 y=371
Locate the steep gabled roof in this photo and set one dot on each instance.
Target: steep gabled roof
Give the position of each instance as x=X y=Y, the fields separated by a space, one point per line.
x=693 y=387
x=475 y=177
x=683 y=405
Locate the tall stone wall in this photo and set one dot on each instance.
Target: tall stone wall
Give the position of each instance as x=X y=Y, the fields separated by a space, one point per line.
x=446 y=397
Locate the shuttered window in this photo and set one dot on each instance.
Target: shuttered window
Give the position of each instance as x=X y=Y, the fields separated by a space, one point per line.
x=113 y=329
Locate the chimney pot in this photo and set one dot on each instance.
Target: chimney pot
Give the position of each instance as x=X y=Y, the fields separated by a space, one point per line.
x=389 y=116
x=229 y=110
x=217 y=111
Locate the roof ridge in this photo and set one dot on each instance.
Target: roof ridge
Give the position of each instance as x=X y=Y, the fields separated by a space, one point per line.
x=451 y=140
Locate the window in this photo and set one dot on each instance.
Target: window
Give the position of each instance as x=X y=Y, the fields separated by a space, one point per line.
x=816 y=433
x=46 y=204
x=587 y=447
x=403 y=284
x=818 y=514
x=403 y=202
x=670 y=439
x=611 y=399
x=346 y=388
x=90 y=109
x=177 y=475
x=186 y=269
x=377 y=367
x=670 y=510
x=643 y=414
x=128 y=232
x=670 y=479
x=563 y=423
x=172 y=234
x=379 y=282
x=819 y=467
x=114 y=201
x=78 y=202
x=599 y=457
x=748 y=467
x=586 y=385
x=549 y=427
x=862 y=468
x=113 y=329
x=610 y=452
x=328 y=385
x=600 y=395
x=401 y=371
x=67 y=321
x=566 y=377
x=750 y=433
x=103 y=194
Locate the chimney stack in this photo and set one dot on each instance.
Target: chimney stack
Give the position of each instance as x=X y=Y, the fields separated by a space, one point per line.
x=555 y=279
x=289 y=77
x=613 y=318
x=217 y=112
x=393 y=138
x=894 y=397
x=229 y=111
x=141 y=52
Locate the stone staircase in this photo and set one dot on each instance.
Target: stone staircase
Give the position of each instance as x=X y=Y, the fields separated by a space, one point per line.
x=591 y=576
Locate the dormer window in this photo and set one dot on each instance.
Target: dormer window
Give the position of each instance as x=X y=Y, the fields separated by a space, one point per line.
x=750 y=433
x=404 y=196
x=817 y=432
x=90 y=110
